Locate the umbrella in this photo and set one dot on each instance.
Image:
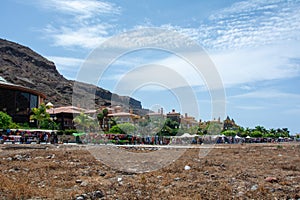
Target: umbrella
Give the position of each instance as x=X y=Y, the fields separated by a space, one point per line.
x=78 y=134
x=248 y=137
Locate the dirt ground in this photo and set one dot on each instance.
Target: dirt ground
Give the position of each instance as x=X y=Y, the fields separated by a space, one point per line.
x=249 y=171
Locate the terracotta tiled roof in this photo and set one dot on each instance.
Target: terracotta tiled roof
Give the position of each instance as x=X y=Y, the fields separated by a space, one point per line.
x=69 y=109
x=122 y=114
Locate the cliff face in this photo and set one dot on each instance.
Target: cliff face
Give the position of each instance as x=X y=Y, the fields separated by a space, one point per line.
x=20 y=65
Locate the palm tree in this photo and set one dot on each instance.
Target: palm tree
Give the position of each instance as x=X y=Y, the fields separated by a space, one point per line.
x=103 y=119
x=100 y=118
x=40 y=114
x=83 y=122
x=285 y=132
x=105 y=115
x=241 y=130
x=272 y=132
x=259 y=128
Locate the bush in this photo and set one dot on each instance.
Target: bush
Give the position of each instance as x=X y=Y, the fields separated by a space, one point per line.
x=6 y=121
x=244 y=134
x=125 y=128
x=229 y=133
x=119 y=142
x=269 y=135
x=70 y=131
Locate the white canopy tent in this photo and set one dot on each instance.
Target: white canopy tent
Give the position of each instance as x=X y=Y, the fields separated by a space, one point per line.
x=186 y=135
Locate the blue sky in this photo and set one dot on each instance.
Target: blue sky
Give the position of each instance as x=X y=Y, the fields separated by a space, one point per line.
x=254 y=45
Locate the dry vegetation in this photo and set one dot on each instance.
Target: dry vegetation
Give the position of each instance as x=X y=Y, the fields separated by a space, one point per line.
x=232 y=172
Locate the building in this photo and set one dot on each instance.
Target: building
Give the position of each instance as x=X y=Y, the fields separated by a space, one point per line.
x=156 y=115
x=120 y=116
x=64 y=115
x=229 y=124
x=17 y=101
x=174 y=116
x=188 y=121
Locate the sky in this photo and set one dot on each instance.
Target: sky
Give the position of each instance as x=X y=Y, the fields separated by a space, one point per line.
x=253 y=46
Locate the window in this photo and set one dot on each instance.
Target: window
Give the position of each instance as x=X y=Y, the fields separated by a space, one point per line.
x=22 y=103
x=33 y=101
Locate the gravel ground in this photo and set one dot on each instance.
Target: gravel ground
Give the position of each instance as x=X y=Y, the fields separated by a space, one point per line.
x=249 y=171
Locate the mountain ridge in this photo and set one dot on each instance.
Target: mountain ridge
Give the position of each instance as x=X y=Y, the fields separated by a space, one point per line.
x=23 y=66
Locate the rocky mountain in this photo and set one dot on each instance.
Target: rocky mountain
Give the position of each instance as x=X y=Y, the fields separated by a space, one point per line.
x=21 y=65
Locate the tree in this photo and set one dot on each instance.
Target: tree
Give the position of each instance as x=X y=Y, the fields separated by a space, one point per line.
x=100 y=118
x=84 y=122
x=40 y=115
x=103 y=119
x=261 y=129
x=230 y=133
x=284 y=132
x=124 y=128
x=272 y=131
x=169 y=128
x=241 y=129
x=49 y=124
x=214 y=128
x=5 y=120
x=105 y=115
x=116 y=129
x=194 y=130
x=256 y=134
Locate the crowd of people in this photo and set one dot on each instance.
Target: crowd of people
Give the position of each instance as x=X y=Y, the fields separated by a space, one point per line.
x=48 y=136
x=28 y=136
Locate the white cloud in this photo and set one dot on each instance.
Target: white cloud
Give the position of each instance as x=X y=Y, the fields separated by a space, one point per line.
x=252 y=23
x=81 y=9
x=246 y=87
x=249 y=23
x=236 y=68
x=66 y=61
x=239 y=67
x=252 y=65
x=87 y=36
x=114 y=77
x=171 y=64
x=151 y=37
x=88 y=25
x=67 y=65
x=266 y=94
x=250 y=41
